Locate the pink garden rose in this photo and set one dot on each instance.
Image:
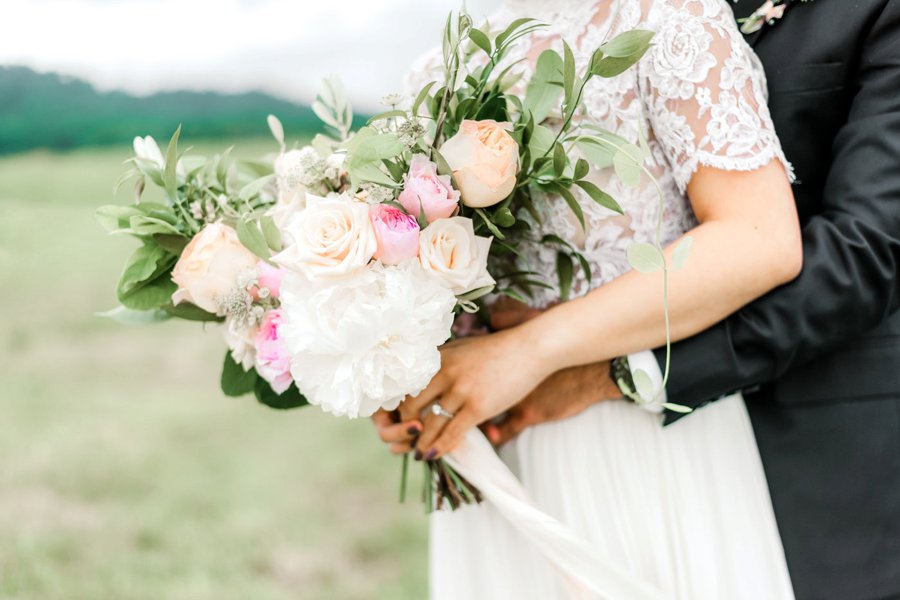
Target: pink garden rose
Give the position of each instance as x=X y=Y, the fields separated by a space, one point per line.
x=423 y=184
x=396 y=232
x=273 y=363
x=268 y=277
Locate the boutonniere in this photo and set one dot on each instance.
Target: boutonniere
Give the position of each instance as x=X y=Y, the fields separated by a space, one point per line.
x=767 y=14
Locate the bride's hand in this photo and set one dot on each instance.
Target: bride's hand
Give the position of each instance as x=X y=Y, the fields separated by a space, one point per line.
x=480 y=378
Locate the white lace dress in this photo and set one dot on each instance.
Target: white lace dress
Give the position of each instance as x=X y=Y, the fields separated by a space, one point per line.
x=685 y=508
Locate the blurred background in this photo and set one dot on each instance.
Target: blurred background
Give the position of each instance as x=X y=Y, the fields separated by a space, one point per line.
x=124 y=472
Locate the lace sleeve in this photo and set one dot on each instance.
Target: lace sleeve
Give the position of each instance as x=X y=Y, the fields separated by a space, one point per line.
x=704 y=91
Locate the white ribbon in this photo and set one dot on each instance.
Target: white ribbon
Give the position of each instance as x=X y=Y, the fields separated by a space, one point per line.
x=584 y=572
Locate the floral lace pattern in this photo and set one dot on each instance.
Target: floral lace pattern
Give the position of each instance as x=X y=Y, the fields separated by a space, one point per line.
x=698 y=96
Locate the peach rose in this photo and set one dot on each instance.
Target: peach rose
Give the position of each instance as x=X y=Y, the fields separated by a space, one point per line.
x=210 y=267
x=450 y=251
x=485 y=162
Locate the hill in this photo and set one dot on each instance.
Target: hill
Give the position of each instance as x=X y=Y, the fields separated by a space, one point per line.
x=39 y=110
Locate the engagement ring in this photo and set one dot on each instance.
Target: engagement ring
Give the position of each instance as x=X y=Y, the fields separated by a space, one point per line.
x=439 y=411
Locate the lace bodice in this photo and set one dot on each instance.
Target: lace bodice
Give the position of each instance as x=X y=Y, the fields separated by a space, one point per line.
x=698 y=95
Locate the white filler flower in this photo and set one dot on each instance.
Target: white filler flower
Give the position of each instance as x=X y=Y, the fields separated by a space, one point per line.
x=365 y=342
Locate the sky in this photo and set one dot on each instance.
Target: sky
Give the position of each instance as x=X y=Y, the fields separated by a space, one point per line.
x=283 y=47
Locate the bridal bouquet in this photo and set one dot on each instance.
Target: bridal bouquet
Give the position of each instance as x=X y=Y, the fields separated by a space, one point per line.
x=337 y=268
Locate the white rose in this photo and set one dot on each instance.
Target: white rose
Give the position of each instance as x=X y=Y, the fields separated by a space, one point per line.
x=330 y=238
x=365 y=342
x=450 y=251
x=240 y=341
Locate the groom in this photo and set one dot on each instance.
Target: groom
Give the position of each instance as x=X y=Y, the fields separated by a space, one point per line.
x=818 y=360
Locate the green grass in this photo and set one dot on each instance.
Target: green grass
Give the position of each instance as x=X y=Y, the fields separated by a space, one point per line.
x=124 y=472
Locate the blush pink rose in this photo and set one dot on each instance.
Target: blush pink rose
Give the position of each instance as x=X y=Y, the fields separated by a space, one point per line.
x=423 y=188
x=273 y=363
x=396 y=232
x=268 y=277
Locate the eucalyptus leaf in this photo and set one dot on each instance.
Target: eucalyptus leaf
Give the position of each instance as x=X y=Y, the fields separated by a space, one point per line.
x=645 y=258
x=643 y=385
x=682 y=252
x=627 y=164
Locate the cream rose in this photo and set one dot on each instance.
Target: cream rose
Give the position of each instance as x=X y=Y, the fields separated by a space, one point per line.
x=450 y=251
x=210 y=266
x=331 y=238
x=485 y=162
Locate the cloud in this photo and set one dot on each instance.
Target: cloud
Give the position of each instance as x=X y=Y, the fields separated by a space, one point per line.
x=282 y=46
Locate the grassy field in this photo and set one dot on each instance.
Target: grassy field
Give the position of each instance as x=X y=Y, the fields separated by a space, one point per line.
x=125 y=474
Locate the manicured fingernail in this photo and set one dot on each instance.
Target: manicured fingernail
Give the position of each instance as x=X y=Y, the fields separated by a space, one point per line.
x=431 y=454
x=413 y=442
x=418 y=455
x=413 y=430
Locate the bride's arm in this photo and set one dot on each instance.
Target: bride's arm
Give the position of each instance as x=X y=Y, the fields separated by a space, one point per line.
x=748 y=242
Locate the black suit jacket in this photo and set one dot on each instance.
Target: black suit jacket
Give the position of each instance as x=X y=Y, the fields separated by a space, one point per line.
x=819 y=358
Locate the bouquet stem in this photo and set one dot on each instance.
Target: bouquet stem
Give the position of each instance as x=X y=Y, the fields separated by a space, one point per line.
x=443 y=485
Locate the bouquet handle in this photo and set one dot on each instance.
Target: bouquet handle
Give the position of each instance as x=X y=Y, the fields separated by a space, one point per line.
x=584 y=572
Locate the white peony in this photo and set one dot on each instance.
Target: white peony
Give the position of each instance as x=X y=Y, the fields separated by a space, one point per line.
x=330 y=238
x=365 y=342
x=450 y=251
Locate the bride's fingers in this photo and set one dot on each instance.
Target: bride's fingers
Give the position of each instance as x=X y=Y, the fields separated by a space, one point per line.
x=435 y=424
x=395 y=433
x=511 y=427
x=451 y=435
x=412 y=406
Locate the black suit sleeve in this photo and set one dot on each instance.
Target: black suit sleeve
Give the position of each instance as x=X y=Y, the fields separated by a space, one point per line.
x=849 y=282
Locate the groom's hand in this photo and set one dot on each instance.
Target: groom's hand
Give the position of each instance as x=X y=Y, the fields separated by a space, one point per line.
x=564 y=394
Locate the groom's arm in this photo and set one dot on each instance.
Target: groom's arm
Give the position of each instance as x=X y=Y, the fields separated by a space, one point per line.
x=850 y=280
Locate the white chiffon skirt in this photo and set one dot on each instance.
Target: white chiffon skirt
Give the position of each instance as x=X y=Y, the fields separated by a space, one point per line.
x=685 y=509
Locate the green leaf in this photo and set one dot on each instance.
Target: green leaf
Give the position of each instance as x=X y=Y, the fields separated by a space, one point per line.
x=570 y=200
x=145 y=264
x=643 y=385
x=627 y=163
x=545 y=86
x=191 y=312
x=252 y=238
x=599 y=196
x=564 y=269
x=481 y=40
x=511 y=30
x=582 y=168
x=559 y=159
x=568 y=73
x=171 y=172
x=541 y=140
x=149 y=295
x=173 y=243
x=142 y=225
x=476 y=293
x=490 y=224
x=112 y=217
x=420 y=98
x=291 y=398
x=504 y=217
x=677 y=408
x=127 y=316
x=600 y=155
x=645 y=258
x=682 y=252
x=235 y=381
x=254 y=187
x=370 y=146
x=386 y=115
x=271 y=233
x=628 y=44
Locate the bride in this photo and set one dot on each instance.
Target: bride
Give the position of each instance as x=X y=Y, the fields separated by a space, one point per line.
x=686 y=508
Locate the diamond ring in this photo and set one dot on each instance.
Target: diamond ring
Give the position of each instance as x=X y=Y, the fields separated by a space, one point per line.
x=439 y=411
